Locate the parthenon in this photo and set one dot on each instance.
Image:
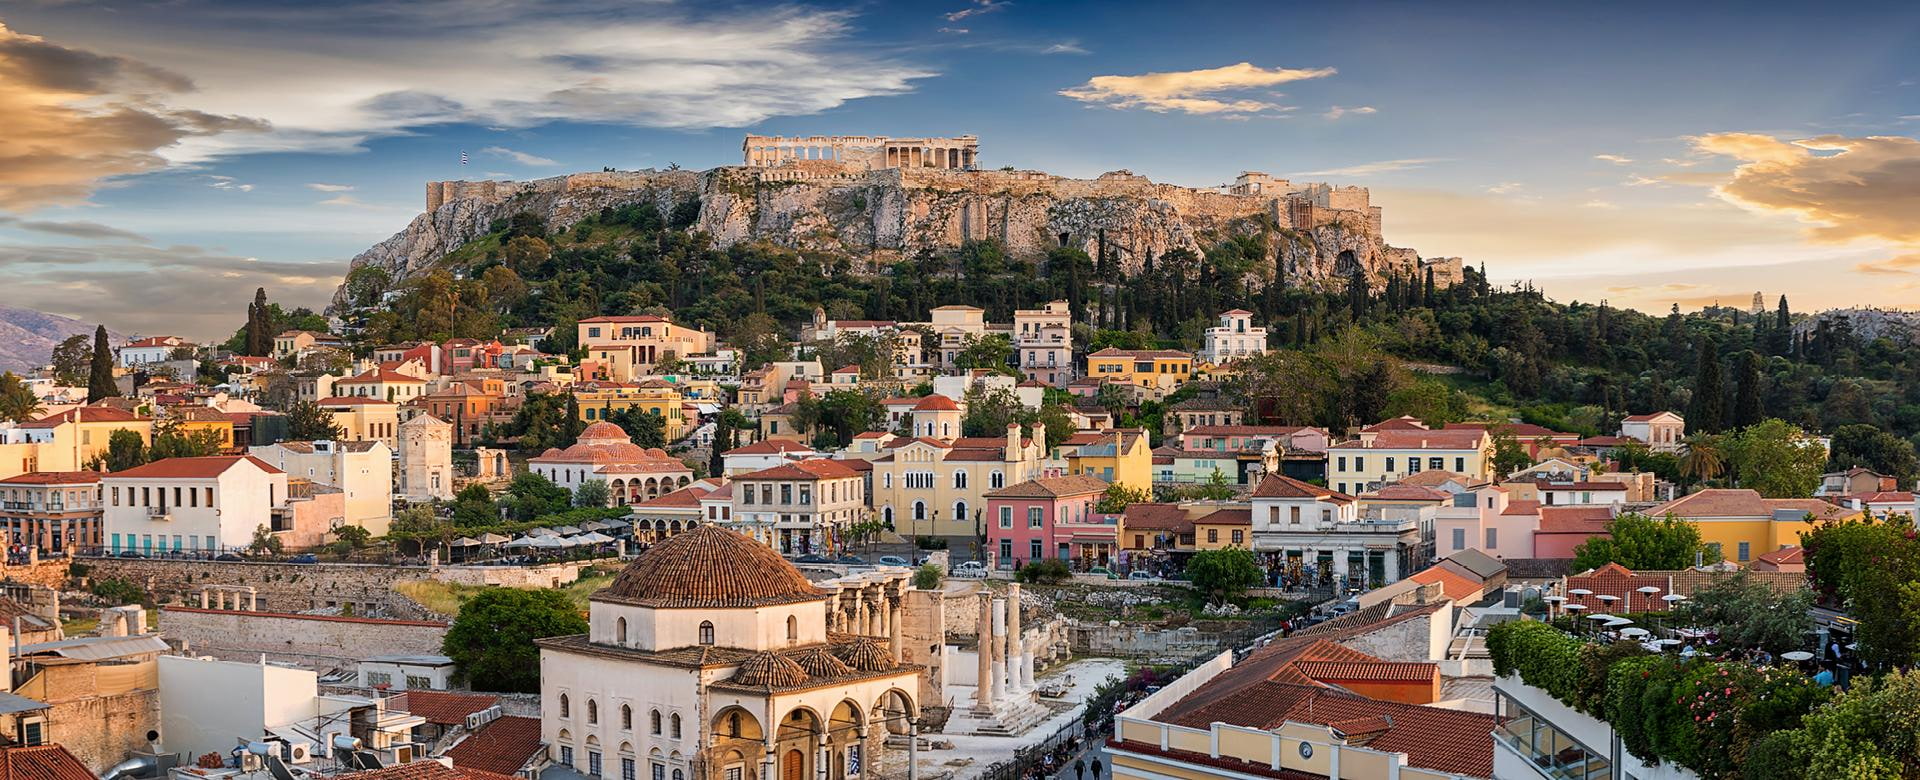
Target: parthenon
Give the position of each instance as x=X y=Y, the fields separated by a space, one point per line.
x=872 y=152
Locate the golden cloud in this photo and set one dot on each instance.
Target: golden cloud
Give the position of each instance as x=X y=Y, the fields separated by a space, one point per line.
x=75 y=118
x=1848 y=188
x=1192 y=91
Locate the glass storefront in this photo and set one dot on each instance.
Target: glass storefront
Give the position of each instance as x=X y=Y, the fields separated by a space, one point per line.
x=1549 y=750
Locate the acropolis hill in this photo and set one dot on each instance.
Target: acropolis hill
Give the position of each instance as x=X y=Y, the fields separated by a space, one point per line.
x=880 y=199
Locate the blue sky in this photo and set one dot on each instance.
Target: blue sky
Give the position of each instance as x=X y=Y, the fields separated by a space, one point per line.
x=171 y=156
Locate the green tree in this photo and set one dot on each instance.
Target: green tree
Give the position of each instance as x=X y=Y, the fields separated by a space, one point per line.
x=1706 y=411
x=306 y=421
x=1875 y=448
x=1639 y=542
x=644 y=427
x=1119 y=496
x=1746 y=390
x=1777 y=458
x=1866 y=733
x=473 y=507
x=1509 y=455
x=264 y=542
x=928 y=577
x=418 y=529
x=259 y=325
x=100 y=384
x=17 y=401
x=593 y=492
x=1870 y=569
x=491 y=641
x=354 y=536
x=1223 y=574
x=1703 y=459
x=125 y=450
x=171 y=441
x=70 y=359
x=991 y=351
x=530 y=495
x=1751 y=614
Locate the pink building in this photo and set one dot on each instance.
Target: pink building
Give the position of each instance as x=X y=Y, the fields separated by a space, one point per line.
x=1050 y=517
x=1237 y=438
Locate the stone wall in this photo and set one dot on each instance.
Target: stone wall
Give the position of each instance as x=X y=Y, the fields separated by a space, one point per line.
x=99 y=711
x=48 y=573
x=312 y=641
x=291 y=587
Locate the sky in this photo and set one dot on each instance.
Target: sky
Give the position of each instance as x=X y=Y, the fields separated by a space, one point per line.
x=159 y=160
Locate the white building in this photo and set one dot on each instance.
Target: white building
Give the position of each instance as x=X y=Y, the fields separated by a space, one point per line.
x=799 y=508
x=1043 y=343
x=154 y=349
x=209 y=706
x=407 y=672
x=361 y=469
x=191 y=504
x=426 y=459
x=1299 y=525
x=1390 y=455
x=1235 y=337
x=606 y=453
x=1660 y=431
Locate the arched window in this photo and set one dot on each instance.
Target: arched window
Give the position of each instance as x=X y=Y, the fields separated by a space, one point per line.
x=593 y=712
x=996 y=480
x=673 y=726
x=626 y=717
x=886 y=515
x=706 y=632
x=886 y=480
x=960 y=480
x=919 y=510
x=653 y=722
x=733 y=724
x=793 y=628
x=959 y=510
x=620 y=632
x=678 y=776
x=566 y=709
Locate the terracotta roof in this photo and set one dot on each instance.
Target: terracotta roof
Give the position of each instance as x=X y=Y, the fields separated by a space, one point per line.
x=1616 y=580
x=1605 y=441
x=709 y=567
x=769 y=447
x=381 y=375
x=1368 y=671
x=1454 y=439
x=1436 y=478
x=1226 y=516
x=1402 y=423
x=816 y=468
x=1542 y=484
x=1400 y=491
x=192 y=468
x=1452 y=585
x=1246 y=430
x=1575 y=519
x=1886 y=497
x=1521 y=508
x=156 y=341
x=1157 y=517
x=1521 y=431
x=53 y=478
x=1053 y=487
x=1283 y=486
x=1790 y=554
x=446 y=708
x=500 y=747
x=769 y=669
x=85 y=414
x=688 y=496
x=936 y=403
x=353 y=400
x=1740 y=502
x=626 y=318
x=1647 y=417
x=865 y=654
x=1432 y=738
x=44 y=762
x=1143 y=354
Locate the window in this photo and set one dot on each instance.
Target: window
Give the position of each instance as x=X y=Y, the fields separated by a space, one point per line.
x=786 y=493
x=626 y=769
x=1342 y=463
x=1493 y=538
x=1460 y=465
x=416 y=681
x=626 y=717
x=566 y=755
x=593 y=712
x=996 y=480
x=673 y=726
x=793 y=629
x=960 y=480
x=1035 y=517
x=659 y=771
x=380 y=679
x=1744 y=548
x=1006 y=549
x=1033 y=550
x=593 y=763
x=806 y=495
x=620 y=632
x=1239 y=536
x=706 y=632
x=1459 y=538
x=1413 y=465
x=1389 y=465
x=653 y=722
x=1006 y=517
x=1436 y=463
x=1295 y=514
x=919 y=510
x=1213 y=536
x=959 y=510
x=1359 y=463
x=566 y=708
x=747 y=496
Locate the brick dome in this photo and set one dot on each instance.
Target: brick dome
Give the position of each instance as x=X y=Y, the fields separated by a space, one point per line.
x=768 y=669
x=865 y=654
x=709 y=567
x=819 y=663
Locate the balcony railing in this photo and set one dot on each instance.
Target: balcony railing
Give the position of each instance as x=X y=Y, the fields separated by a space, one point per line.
x=159 y=513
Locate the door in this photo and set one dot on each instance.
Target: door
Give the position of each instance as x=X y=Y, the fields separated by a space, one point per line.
x=790 y=767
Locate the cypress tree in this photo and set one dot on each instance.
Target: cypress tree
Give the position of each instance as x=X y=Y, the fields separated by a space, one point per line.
x=100 y=381
x=1706 y=411
x=1746 y=394
x=1782 y=334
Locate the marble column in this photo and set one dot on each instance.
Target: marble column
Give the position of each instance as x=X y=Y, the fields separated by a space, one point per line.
x=983 y=690
x=253 y=600
x=998 y=647
x=894 y=628
x=1016 y=651
x=859 y=615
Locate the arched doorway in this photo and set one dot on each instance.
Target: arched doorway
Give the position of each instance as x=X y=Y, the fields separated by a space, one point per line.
x=793 y=765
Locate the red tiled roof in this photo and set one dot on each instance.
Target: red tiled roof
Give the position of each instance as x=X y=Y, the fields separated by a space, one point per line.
x=446 y=708
x=85 y=414
x=425 y=770
x=1452 y=585
x=817 y=468
x=156 y=341
x=44 y=762
x=1143 y=354
x=1053 y=487
x=1228 y=516
x=688 y=496
x=1735 y=502
x=626 y=318
x=53 y=478
x=1359 y=671
x=936 y=403
x=1646 y=417
x=1400 y=491
x=1246 y=430
x=1436 y=478
x=1521 y=431
x=1521 y=508
x=769 y=447
x=1453 y=439
x=1401 y=423
x=381 y=375
x=192 y=468
x=709 y=567
x=1789 y=554
x=1283 y=486
x=353 y=400
x=1156 y=517
x=1605 y=441
x=1575 y=519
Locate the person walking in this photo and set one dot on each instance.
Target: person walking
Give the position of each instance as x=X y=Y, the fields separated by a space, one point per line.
x=1079 y=769
x=1096 y=768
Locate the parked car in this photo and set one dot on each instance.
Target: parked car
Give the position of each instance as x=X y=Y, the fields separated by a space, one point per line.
x=893 y=560
x=1141 y=575
x=228 y=557
x=304 y=558
x=970 y=570
x=813 y=558
x=131 y=554
x=851 y=560
x=1102 y=570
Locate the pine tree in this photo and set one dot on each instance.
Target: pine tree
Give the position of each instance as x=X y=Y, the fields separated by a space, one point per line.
x=1746 y=394
x=1427 y=292
x=1357 y=295
x=100 y=381
x=1706 y=412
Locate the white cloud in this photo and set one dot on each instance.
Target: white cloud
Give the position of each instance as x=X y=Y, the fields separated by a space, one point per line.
x=1505 y=188
x=520 y=157
x=1375 y=168
x=228 y=183
x=1065 y=47
x=314 y=77
x=1597 y=203
x=954 y=30
x=1193 y=91
x=979 y=7
x=324 y=187
x=1339 y=111
x=1613 y=158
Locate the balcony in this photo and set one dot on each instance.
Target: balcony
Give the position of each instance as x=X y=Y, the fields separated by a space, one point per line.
x=159 y=513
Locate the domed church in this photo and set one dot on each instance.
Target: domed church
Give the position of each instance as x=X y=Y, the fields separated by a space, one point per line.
x=713 y=658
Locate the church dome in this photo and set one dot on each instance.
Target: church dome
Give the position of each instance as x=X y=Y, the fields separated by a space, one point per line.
x=709 y=567
x=865 y=654
x=820 y=663
x=604 y=431
x=770 y=670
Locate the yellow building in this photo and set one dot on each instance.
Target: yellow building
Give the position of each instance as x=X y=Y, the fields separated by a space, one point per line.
x=627 y=347
x=365 y=419
x=938 y=487
x=1157 y=370
x=1383 y=456
x=659 y=398
x=189 y=419
x=1225 y=526
x=1744 y=525
x=66 y=441
x=1122 y=457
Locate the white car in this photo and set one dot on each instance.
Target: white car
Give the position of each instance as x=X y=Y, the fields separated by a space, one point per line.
x=970 y=570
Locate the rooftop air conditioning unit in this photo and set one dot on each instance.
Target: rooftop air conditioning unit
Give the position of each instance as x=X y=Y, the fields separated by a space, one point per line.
x=477 y=719
x=299 y=752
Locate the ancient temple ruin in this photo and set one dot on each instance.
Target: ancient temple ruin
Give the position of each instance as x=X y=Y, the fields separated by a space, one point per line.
x=869 y=152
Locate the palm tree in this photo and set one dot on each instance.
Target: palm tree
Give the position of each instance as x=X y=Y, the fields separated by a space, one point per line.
x=1704 y=459
x=17 y=401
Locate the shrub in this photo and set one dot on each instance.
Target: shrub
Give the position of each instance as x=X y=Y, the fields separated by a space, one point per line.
x=928 y=577
x=119 y=592
x=1590 y=679
x=1044 y=572
x=1627 y=685
x=1544 y=657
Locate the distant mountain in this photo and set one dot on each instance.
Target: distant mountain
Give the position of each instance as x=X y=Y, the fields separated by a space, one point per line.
x=27 y=337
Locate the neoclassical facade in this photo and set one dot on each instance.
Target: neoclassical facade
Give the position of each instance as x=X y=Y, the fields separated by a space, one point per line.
x=604 y=452
x=712 y=658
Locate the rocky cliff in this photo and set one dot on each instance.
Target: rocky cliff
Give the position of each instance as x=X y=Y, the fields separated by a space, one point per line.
x=27 y=337
x=882 y=215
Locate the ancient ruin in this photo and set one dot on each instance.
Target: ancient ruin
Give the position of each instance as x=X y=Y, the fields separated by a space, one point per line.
x=880 y=199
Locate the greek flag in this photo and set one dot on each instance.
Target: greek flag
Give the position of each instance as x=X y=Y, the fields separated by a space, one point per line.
x=853 y=760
